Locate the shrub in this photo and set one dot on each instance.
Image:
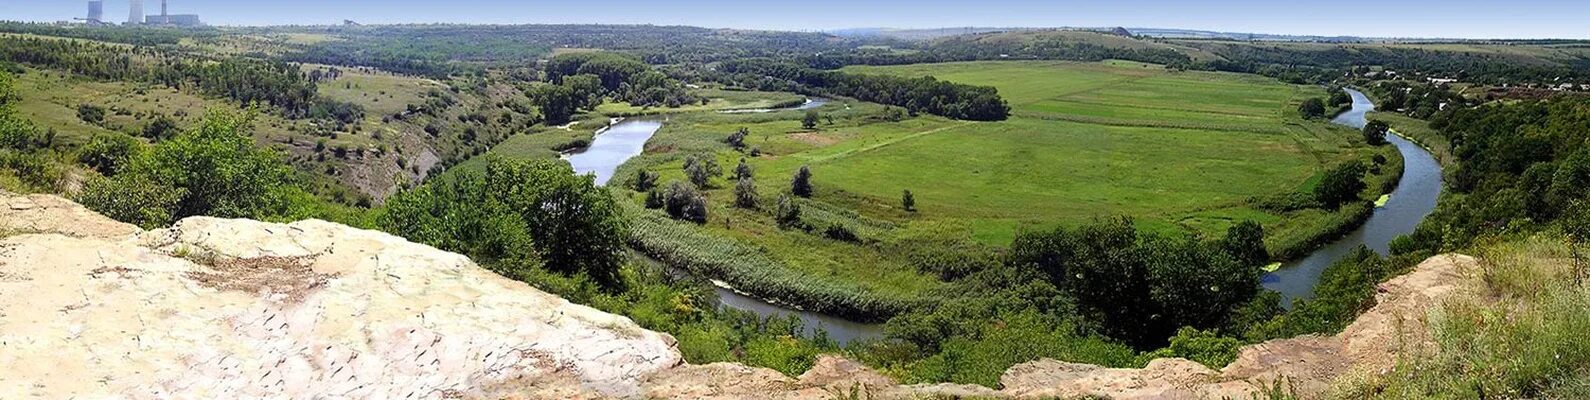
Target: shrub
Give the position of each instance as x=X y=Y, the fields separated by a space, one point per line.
x=1312 y=108
x=132 y=199
x=801 y=184
x=1375 y=132
x=109 y=153
x=788 y=213
x=645 y=180
x=684 y=202
x=1340 y=185
x=91 y=113
x=908 y=201
x=737 y=139
x=745 y=195
x=161 y=128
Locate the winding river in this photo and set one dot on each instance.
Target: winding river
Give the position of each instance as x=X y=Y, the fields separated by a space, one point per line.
x=1414 y=198
x=626 y=139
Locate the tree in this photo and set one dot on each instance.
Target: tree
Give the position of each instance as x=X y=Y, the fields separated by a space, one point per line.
x=91 y=113
x=645 y=180
x=745 y=193
x=737 y=139
x=1341 y=185
x=161 y=128
x=908 y=201
x=521 y=214
x=1312 y=108
x=109 y=153
x=810 y=121
x=654 y=199
x=701 y=170
x=743 y=170
x=801 y=184
x=1245 y=242
x=684 y=202
x=788 y=212
x=557 y=102
x=1340 y=98
x=1375 y=132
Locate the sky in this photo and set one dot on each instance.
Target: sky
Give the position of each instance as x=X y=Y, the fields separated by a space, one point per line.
x=1367 y=18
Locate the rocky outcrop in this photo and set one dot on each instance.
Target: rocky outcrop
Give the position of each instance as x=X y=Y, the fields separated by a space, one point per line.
x=214 y=308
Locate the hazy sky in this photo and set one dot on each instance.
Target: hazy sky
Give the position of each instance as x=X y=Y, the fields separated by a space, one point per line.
x=1384 y=18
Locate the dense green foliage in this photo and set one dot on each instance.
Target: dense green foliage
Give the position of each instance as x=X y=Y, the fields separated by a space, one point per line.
x=924 y=94
x=245 y=80
x=1312 y=108
x=1341 y=185
x=212 y=170
x=521 y=215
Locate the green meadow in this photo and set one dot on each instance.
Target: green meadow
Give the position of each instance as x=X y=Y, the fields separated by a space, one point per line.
x=1177 y=151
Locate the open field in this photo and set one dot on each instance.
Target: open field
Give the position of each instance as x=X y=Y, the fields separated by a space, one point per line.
x=379 y=93
x=1173 y=149
x=1177 y=151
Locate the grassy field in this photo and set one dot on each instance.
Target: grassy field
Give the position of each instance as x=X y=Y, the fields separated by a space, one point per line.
x=1177 y=151
x=379 y=93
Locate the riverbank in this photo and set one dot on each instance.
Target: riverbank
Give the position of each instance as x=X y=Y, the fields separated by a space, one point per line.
x=1417 y=191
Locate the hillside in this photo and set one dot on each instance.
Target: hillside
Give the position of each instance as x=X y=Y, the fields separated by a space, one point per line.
x=213 y=307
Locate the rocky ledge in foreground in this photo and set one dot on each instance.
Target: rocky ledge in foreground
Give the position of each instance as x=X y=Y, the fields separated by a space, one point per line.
x=212 y=308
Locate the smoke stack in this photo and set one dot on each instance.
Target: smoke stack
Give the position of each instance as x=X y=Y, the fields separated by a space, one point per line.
x=135 y=15
x=163 y=10
x=96 y=11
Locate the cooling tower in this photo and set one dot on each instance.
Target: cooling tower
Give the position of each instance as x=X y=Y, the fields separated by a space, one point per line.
x=136 y=13
x=96 y=11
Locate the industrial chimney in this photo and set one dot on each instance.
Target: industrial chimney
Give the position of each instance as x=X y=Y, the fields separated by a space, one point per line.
x=163 y=14
x=136 y=14
x=96 y=11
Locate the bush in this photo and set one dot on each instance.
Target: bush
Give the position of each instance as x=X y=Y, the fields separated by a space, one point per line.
x=801 y=184
x=91 y=113
x=524 y=214
x=745 y=195
x=109 y=153
x=1203 y=347
x=132 y=199
x=788 y=213
x=1312 y=108
x=161 y=128
x=1340 y=185
x=684 y=202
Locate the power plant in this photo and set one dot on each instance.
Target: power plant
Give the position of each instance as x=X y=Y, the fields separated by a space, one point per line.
x=135 y=14
x=96 y=12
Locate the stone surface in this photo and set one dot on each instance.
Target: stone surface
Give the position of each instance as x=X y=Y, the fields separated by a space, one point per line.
x=215 y=308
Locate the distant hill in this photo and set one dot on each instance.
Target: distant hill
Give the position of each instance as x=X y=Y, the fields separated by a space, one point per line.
x=918 y=34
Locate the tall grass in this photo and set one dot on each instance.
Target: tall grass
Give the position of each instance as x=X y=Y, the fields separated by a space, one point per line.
x=749 y=269
x=1523 y=333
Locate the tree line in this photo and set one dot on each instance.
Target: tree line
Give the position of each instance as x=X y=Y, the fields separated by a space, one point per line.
x=924 y=94
x=249 y=81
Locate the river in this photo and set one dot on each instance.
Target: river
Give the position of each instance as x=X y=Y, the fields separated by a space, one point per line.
x=626 y=139
x=1414 y=198
x=612 y=147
